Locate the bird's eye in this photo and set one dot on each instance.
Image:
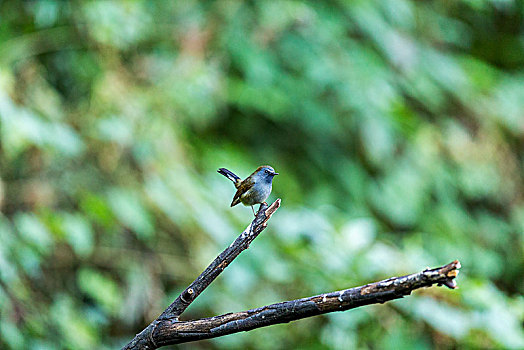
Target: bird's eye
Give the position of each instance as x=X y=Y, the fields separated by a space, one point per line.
x=267 y=171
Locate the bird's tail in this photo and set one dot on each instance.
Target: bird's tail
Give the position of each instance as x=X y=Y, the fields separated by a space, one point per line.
x=230 y=175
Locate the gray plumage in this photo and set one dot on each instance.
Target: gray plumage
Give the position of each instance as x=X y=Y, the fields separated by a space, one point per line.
x=255 y=188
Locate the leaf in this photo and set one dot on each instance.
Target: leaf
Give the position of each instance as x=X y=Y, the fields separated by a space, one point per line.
x=101 y=288
x=33 y=231
x=129 y=210
x=78 y=233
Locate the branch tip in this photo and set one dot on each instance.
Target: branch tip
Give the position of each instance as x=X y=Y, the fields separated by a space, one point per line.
x=450 y=271
x=451 y=284
x=271 y=210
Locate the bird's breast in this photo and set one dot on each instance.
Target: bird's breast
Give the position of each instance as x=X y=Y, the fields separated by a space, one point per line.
x=258 y=193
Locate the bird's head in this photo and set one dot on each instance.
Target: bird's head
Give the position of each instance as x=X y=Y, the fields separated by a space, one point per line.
x=265 y=172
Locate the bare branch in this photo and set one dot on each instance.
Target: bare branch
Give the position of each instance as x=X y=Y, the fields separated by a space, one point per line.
x=171 y=331
x=168 y=329
x=144 y=339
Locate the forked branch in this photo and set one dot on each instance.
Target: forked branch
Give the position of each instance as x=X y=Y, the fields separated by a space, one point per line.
x=168 y=329
x=146 y=339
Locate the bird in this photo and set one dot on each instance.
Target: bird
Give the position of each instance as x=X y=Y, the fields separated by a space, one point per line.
x=254 y=189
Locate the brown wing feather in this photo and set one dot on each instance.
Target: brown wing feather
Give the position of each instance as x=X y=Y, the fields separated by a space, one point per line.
x=244 y=186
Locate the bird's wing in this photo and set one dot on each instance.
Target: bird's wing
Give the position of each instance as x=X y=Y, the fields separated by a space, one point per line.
x=243 y=188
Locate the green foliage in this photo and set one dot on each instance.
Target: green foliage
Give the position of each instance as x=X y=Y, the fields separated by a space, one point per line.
x=397 y=128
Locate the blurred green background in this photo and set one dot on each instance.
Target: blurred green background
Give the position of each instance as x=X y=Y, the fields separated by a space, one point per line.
x=397 y=128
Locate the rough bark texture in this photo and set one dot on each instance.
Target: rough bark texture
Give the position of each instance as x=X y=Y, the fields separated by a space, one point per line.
x=144 y=339
x=221 y=262
x=167 y=329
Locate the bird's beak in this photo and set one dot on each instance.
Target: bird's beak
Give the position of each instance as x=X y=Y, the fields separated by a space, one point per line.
x=275 y=173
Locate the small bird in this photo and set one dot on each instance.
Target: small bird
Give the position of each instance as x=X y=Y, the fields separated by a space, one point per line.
x=254 y=189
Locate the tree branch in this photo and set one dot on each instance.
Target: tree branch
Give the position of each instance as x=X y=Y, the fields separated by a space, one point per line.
x=168 y=329
x=170 y=332
x=144 y=339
